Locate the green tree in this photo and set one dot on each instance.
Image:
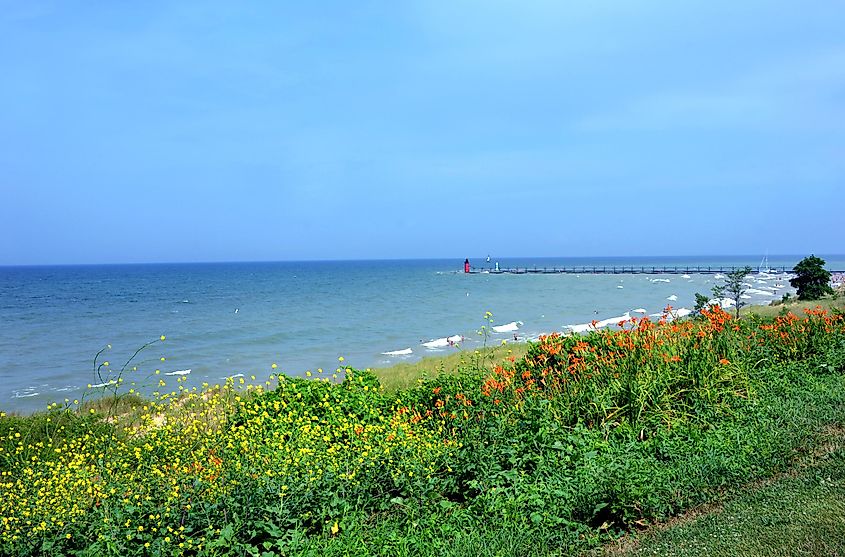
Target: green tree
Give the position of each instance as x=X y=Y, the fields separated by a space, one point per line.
x=733 y=287
x=811 y=278
x=701 y=302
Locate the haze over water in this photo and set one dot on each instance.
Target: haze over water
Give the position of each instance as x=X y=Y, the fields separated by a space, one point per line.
x=240 y=318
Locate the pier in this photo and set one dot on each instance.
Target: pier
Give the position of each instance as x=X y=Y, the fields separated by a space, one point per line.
x=620 y=270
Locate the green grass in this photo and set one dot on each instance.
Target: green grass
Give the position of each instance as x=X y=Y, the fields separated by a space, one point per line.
x=406 y=375
x=800 y=513
x=796 y=306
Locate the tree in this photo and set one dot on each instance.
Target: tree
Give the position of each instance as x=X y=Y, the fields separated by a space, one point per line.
x=733 y=286
x=701 y=302
x=811 y=278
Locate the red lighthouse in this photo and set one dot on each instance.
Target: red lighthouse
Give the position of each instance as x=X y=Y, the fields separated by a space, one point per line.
x=466 y=265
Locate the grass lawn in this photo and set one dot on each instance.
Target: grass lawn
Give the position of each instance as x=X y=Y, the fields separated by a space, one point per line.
x=798 y=513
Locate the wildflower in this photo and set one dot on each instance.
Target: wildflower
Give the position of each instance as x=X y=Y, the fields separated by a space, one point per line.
x=725 y=362
x=340 y=359
x=335 y=528
x=274 y=366
x=162 y=337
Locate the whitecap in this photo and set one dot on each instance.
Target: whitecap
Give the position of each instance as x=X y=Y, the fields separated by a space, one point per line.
x=437 y=343
x=723 y=302
x=685 y=276
x=508 y=327
x=403 y=352
x=106 y=384
x=672 y=298
x=179 y=372
x=660 y=280
x=719 y=276
x=639 y=310
x=619 y=286
x=581 y=328
x=759 y=292
x=612 y=320
x=19 y=394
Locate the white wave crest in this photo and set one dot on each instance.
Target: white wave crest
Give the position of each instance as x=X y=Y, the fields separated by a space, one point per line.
x=403 y=352
x=508 y=327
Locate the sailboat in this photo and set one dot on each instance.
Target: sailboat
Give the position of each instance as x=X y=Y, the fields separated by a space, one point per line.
x=763 y=267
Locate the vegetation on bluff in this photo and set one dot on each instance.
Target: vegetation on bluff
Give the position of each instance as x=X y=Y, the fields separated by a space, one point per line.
x=579 y=440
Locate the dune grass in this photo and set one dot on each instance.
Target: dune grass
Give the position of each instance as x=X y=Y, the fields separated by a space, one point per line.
x=778 y=307
x=405 y=375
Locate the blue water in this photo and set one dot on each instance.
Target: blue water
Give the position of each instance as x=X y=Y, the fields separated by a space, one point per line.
x=225 y=319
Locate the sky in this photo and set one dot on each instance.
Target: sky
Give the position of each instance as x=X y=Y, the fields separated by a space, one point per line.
x=136 y=132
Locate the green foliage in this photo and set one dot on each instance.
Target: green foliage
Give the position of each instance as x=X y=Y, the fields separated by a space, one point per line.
x=701 y=302
x=733 y=287
x=812 y=280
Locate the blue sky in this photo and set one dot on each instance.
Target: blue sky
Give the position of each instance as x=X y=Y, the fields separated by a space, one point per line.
x=204 y=131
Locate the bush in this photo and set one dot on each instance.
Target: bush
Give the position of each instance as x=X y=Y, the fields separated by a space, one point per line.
x=812 y=280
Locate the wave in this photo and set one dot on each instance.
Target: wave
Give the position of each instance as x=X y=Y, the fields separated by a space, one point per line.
x=437 y=343
x=19 y=394
x=612 y=320
x=403 y=352
x=660 y=280
x=508 y=327
x=179 y=372
x=672 y=298
x=759 y=292
x=444 y=342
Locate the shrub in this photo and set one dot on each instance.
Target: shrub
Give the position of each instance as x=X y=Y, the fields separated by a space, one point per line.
x=812 y=280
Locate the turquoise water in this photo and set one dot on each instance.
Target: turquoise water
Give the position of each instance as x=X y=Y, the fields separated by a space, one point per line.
x=239 y=318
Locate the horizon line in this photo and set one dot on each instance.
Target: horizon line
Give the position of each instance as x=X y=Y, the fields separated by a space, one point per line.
x=398 y=259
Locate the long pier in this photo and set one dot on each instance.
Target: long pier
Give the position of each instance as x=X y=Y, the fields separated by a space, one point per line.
x=617 y=270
